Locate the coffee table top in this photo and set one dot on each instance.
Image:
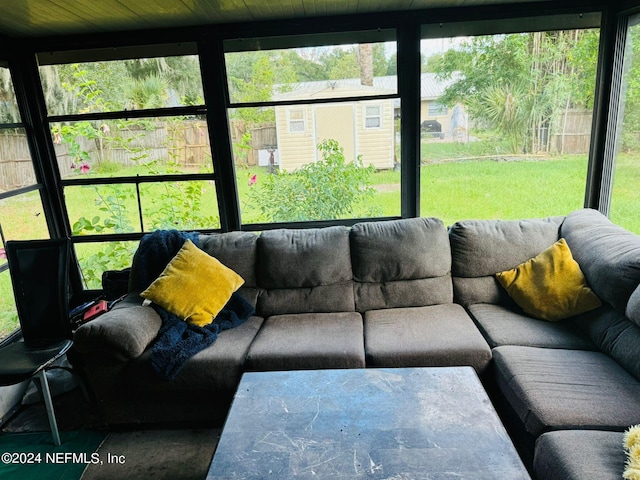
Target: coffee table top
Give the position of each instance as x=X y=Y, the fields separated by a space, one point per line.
x=396 y=423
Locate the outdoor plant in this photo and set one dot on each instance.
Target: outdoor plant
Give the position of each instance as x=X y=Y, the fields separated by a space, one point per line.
x=327 y=189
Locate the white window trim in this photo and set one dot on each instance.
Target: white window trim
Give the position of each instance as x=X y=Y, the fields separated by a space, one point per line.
x=379 y=116
x=303 y=120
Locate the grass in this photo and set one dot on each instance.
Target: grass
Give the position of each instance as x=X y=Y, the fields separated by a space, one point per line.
x=450 y=190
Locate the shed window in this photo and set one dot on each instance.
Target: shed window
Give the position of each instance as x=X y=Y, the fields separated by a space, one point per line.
x=373 y=116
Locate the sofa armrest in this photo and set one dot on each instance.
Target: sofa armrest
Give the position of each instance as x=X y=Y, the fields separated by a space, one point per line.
x=124 y=332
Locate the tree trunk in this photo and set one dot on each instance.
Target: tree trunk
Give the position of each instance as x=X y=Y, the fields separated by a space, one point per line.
x=365 y=57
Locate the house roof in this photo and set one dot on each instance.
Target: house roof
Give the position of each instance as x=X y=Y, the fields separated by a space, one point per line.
x=430 y=87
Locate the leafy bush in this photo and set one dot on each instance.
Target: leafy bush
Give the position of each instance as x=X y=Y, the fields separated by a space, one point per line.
x=327 y=189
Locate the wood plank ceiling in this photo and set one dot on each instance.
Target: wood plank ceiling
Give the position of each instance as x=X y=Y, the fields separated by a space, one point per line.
x=44 y=18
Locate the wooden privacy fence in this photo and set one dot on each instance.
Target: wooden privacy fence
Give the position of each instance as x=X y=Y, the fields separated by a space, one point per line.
x=573 y=133
x=185 y=143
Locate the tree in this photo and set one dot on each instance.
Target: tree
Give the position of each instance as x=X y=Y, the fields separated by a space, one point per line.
x=537 y=76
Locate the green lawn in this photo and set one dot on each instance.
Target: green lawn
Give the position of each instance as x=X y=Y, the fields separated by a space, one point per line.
x=450 y=190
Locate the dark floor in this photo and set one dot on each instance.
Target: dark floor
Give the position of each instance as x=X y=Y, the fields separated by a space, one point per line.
x=156 y=452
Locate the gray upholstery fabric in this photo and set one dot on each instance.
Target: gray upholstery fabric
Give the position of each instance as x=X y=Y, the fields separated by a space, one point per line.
x=608 y=255
x=401 y=263
x=303 y=258
x=236 y=250
x=122 y=333
x=485 y=247
x=504 y=326
x=633 y=307
x=308 y=341
x=400 y=250
x=579 y=455
x=438 y=335
x=615 y=335
x=482 y=248
x=323 y=298
x=304 y=271
x=403 y=293
x=216 y=368
x=557 y=389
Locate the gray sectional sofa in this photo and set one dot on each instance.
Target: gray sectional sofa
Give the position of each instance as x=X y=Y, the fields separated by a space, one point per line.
x=408 y=293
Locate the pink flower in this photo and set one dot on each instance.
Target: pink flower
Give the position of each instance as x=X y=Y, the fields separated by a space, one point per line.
x=73 y=165
x=85 y=167
x=3 y=253
x=57 y=139
x=253 y=179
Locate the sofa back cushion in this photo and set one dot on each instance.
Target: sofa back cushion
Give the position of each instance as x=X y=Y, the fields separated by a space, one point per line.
x=608 y=254
x=304 y=271
x=482 y=248
x=236 y=250
x=401 y=263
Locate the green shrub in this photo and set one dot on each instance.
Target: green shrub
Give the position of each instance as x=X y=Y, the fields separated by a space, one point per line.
x=327 y=189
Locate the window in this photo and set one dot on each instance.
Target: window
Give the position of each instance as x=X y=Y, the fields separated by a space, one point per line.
x=373 y=116
x=132 y=146
x=21 y=212
x=297 y=120
x=625 y=196
x=312 y=126
x=436 y=108
x=512 y=135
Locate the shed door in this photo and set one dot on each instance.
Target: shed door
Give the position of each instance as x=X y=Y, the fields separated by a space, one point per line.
x=336 y=121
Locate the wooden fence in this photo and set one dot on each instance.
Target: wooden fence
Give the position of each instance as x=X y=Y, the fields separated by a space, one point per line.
x=185 y=143
x=574 y=133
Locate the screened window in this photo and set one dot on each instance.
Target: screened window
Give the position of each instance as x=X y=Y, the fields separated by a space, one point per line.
x=373 y=116
x=133 y=149
x=625 y=196
x=21 y=212
x=297 y=120
x=312 y=126
x=512 y=135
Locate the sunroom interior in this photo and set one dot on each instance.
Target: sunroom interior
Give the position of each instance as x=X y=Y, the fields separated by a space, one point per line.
x=120 y=118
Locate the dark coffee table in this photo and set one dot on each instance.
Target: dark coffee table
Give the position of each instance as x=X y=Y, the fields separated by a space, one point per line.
x=406 y=423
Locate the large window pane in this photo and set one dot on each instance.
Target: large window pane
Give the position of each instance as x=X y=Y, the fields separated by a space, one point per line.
x=22 y=217
x=189 y=205
x=505 y=124
x=96 y=258
x=626 y=195
x=317 y=161
x=102 y=209
x=120 y=85
x=117 y=148
x=311 y=73
x=8 y=106
x=16 y=167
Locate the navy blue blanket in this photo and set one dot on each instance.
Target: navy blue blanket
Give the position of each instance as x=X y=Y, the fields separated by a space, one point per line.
x=177 y=340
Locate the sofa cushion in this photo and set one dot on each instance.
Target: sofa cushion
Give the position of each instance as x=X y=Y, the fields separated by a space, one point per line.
x=608 y=254
x=504 y=326
x=579 y=455
x=217 y=368
x=236 y=250
x=308 y=341
x=401 y=263
x=436 y=335
x=556 y=389
x=633 y=307
x=615 y=335
x=194 y=286
x=304 y=271
x=481 y=248
x=303 y=258
x=550 y=286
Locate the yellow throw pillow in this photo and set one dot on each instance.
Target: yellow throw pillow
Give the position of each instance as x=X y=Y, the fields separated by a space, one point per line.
x=550 y=286
x=194 y=286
